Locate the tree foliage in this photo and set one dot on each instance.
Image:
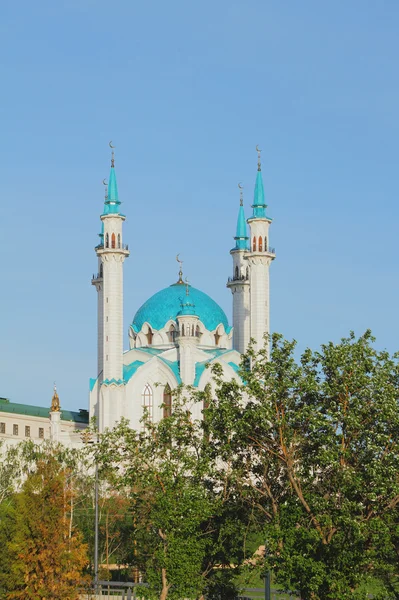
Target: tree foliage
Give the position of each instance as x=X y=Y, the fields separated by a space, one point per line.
x=314 y=444
x=46 y=556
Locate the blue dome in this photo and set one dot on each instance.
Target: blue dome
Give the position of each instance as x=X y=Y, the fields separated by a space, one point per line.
x=166 y=304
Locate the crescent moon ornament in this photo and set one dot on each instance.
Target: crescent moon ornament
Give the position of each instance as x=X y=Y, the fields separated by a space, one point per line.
x=258 y=149
x=105 y=182
x=240 y=186
x=110 y=145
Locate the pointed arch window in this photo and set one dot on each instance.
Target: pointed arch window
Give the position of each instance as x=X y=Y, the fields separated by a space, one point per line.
x=198 y=332
x=147 y=400
x=113 y=242
x=254 y=244
x=182 y=329
x=236 y=273
x=106 y=240
x=217 y=338
x=260 y=244
x=247 y=273
x=119 y=240
x=101 y=269
x=150 y=335
x=265 y=243
x=167 y=401
x=172 y=333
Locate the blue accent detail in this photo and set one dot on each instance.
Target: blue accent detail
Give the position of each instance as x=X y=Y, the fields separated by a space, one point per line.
x=129 y=370
x=234 y=366
x=113 y=380
x=241 y=237
x=166 y=305
x=174 y=367
x=199 y=369
x=92 y=383
x=187 y=307
x=259 y=204
x=112 y=202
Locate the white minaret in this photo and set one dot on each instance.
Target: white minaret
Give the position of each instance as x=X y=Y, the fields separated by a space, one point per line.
x=112 y=253
x=239 y=284
x=259 y=258
x=187 y=339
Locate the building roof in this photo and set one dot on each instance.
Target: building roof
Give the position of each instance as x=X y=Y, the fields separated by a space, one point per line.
x=165 y=305
x=39 y=411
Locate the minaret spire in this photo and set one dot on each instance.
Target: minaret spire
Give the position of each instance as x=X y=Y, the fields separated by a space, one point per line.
x=241 y=236
x=258 y=150
x=112 y=202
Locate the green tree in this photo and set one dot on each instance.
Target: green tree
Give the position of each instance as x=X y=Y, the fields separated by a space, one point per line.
x=314 y=447
x=186 y=521
x=46 y=556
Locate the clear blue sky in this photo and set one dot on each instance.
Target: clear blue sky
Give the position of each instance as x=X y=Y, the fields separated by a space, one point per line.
x=186 y=90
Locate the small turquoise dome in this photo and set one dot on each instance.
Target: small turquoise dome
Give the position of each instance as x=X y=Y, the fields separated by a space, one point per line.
x=166 y=304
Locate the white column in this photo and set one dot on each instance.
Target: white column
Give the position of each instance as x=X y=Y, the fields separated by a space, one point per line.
x=240 y=286
x=187 y=342
x=55 y=423
x=259 y=259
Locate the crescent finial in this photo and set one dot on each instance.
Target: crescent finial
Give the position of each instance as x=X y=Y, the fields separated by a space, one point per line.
x=105 y=182
x=241 y=198
x=258 y=150
x=110 y=145
x=180 y=270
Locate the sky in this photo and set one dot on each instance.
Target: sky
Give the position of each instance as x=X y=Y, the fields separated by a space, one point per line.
x=186 y=90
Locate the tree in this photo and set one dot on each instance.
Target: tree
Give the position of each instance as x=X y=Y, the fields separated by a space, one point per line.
x=46 y=554
x=314 y=448
x=185 y=519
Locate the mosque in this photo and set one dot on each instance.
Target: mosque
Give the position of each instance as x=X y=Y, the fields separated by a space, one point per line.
x=173 y=336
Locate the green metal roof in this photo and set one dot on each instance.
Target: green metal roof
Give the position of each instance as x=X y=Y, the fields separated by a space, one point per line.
x=39 y=411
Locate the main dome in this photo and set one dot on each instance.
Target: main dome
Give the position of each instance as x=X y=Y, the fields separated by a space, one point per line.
x=164 y=306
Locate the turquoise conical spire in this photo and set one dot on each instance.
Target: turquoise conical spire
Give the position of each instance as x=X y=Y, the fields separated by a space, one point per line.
x=259 y=204
x=241 y=236
x=112 y=202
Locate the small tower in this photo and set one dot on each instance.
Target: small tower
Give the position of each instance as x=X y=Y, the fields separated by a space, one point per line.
x=259 y=258
x=109 y=284
x=239 y=284
x=55 y=417
x=187 y=339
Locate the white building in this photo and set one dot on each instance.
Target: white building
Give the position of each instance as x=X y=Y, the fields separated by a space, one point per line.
x=180 y=330
x=173 y=336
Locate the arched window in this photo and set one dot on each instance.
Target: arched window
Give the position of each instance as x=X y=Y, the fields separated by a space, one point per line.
x=198 y=332
x=182 y=329
x=172 y=333
x=167 y=401
x=217 y=338
x=147 y=400
x=236 y=273
x=265 y=243
x=247 y=273
x=113 y=245
x=192 y=330
x=254 y=245
x=106 y=240
x=260 y=244
x=119 y=240
x=149 y=336
x=101 y=269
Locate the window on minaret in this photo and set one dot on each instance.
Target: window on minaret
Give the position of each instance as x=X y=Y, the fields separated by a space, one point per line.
x=247 y=272
x=254 y=245
x=237 y=273
x=260 y=244
x=167 y=401
x=113 y=243
x=265 y=243
x=106 y=240
x=119 y=240
x=101 y=269
x=147 y=400
x=150 y=335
